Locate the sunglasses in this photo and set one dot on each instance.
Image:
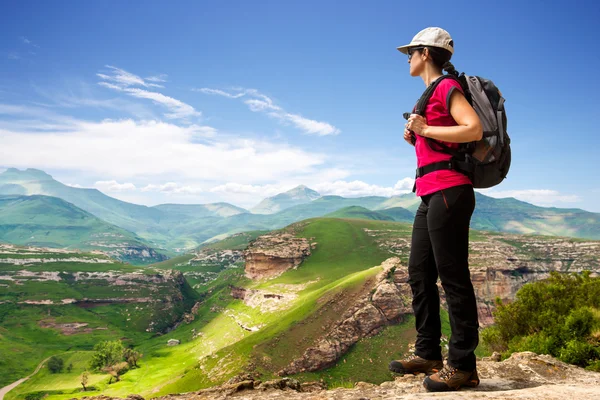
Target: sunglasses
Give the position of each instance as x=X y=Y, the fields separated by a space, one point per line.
x=411 y=50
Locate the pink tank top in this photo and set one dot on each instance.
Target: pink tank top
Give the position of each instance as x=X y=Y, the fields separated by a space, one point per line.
x=437 y=114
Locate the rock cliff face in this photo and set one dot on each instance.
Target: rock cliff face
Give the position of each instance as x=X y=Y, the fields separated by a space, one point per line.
x=502 y=263
x=385 y=304
x=155 y=300
x=271 y=255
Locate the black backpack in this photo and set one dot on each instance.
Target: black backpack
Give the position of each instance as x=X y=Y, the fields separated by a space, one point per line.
x=487 y=161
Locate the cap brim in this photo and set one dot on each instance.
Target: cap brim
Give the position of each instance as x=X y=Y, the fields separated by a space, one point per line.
x=404 y=49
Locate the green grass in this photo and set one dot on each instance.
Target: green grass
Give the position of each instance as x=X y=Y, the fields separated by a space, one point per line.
x=24 y=343
x=64 y=381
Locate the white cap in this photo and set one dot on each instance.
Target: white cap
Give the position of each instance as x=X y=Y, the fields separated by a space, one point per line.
x=434 y=37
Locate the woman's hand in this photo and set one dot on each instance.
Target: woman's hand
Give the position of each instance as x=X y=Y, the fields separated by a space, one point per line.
x=408 y=136
x=417 y=124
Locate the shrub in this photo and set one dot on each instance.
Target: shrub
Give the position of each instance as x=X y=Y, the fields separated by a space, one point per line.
x=55 y=364
x=106 y=353
x=579 y=323
x=540 y=343
x=558 y=316
x=594 y=366
x=578 y=353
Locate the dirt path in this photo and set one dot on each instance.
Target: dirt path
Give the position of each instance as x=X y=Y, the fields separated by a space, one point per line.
x=10 y=387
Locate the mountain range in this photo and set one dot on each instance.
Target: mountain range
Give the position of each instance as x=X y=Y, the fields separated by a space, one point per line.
x=176 y=228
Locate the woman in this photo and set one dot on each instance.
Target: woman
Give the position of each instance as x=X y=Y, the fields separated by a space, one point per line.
x=440 y=237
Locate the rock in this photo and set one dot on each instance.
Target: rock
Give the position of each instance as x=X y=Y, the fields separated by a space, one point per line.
x=173 y=342
x=496 y=357
x=270 y=255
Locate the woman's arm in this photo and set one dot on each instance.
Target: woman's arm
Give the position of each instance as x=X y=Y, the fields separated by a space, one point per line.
x=468 y=129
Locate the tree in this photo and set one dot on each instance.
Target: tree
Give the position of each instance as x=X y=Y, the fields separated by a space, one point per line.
x=84 y=379
x=132 y=356
x=55 y=364
x=106 y=354
x=116 y=370
x=70 y=367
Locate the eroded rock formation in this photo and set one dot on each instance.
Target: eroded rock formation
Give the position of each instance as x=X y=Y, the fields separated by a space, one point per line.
x=271 y=255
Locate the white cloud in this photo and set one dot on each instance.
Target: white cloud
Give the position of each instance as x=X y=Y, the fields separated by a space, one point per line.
x=113 y=186
x=152 y=150
x=541 y=197
x=123 y=81
x=13 y=56
x=309 y=125
x=75 y=185
x=261 y=103
x=172 y=188
x=359 y=188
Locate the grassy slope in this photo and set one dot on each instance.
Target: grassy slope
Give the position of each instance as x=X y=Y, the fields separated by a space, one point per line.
x=358 y=212
x=23 y=343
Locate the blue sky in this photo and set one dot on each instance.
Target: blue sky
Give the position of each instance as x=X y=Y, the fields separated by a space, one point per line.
x=197 y=102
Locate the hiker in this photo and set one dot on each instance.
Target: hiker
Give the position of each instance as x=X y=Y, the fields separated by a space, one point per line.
x=440 y=236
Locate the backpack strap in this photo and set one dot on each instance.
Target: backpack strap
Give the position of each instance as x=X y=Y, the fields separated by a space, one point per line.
x=424 y=99
x=452 y=164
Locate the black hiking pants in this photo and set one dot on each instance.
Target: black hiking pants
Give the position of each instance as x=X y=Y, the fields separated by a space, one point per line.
x=440 y=247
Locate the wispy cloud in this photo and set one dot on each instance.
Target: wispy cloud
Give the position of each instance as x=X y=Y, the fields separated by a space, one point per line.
x=161 y=78
x=13 y=56
x=120 y=80
x=258 y=102
x=28 y=42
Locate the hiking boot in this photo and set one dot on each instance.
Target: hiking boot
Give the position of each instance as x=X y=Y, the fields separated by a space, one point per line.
x=414 y=364
x=450 y=378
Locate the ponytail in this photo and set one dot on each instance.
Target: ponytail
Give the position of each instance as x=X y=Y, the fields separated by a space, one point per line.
x=448 y=67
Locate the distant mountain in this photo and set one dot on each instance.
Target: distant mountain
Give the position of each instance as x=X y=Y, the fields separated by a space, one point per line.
x=133 y=217
x=299 y=195
x=52 y=222
x=156 y=224
x=360 y=213
x=512 y=215
x=177 y=228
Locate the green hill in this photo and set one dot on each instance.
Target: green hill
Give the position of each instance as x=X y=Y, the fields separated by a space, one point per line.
x=398 y=214
x=52 y=222
x=360 y=213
